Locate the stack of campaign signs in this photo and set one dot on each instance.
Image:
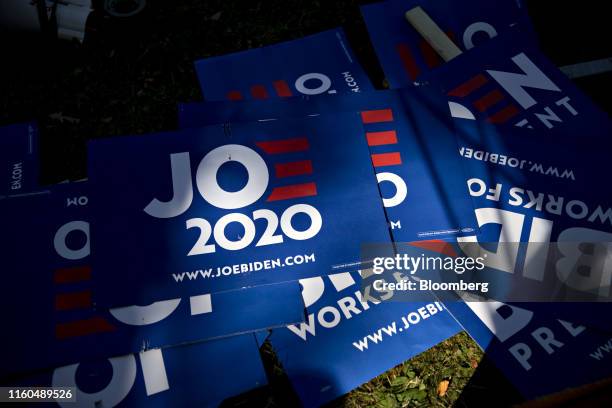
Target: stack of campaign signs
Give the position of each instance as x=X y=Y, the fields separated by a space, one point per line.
x=155 y=281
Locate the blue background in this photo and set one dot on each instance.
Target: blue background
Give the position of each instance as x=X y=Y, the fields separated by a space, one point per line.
x=327 y=365
x=201 y=374
x=19 y=144
x=437 y=194
x=151 y=249
x=388 y=27
x=29 y=225
x=328 y=53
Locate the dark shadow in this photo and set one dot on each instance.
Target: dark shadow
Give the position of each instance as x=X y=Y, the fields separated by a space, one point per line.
x=488 y=387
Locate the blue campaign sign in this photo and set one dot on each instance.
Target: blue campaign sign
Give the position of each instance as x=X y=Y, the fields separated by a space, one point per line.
x=46 y=247
x=539 y=188
x=351 y=336
x=317 y=64
x=412 y=145
x=509 y=83
x=522 y=90
x=405 y=55
x=202 y=374
x=18 y=158
x=537 y=352
x=221 y=208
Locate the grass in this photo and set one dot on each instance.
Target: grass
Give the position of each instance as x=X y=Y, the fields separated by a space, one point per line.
x=416 y=382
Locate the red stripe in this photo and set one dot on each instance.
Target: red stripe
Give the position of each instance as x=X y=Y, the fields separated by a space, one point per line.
x=284 y=146
x=234 y=95
x=77 y=300
x=282 y=89
x=468 y=86
x=70 y=275
x=488 y=100
x=407 y=61
x=381 y=138
x=259 y=92
x=386 y=159
x=431 y=57
x=375 y=116
x=293 y=191
x=293 y=169
x=436 y=245
x=503 y=115
x=83 y=327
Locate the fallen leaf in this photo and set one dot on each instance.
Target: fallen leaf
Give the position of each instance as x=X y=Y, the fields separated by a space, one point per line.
x=474 y=363
x=443 y=387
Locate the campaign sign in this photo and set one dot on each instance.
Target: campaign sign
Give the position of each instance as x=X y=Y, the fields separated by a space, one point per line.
x=543 y=189
x=509 y=83
x=405 y=55
x=221 y=208
x=412 y=148
x=539 y=353
x=317 y=64
x=46 y=248
x=18 y=158
x=351 y=336
x=520 y=88
x=201 y=374
x=537 y=188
